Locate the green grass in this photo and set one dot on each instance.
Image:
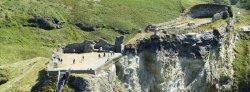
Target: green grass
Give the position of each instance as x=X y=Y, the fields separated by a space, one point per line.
x=242 y=63
x=244 y=4
x=188 y=3
x=242 y=17
x=18 y=42
x=22 y=75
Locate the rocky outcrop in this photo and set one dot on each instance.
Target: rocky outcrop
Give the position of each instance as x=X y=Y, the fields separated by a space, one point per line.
x=79 y=84
x=221 y=15
x=105 y=45
x=84 y=47
x=119 y=44
x=196 y=62
x=104 y=81
x=45 y=23
x=151 y=28
x=91 y=46
x=86 y=26
x=209 y=10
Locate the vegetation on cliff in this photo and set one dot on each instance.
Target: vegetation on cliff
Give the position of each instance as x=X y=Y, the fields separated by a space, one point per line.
x=242 y=63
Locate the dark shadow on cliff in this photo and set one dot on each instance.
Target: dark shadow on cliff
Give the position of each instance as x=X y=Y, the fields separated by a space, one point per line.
x=44 y=83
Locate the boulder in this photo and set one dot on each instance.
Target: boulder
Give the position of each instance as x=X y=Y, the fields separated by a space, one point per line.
x=151 y=28
x=79 y=84
x=106 y=46
x=89 y=46
x=45 y=23
x=121 y=31
x=86 y=27
x=217 y=16
x=74 y=48
x=84 y=47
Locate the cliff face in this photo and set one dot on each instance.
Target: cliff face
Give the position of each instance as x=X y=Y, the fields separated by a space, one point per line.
x=197 y=62
x=106 y=81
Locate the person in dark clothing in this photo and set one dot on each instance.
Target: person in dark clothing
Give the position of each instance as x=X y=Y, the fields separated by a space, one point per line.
x=74 y=61
x=99 y=55
x=82 y=59
x=61 y=60
x=104 y=54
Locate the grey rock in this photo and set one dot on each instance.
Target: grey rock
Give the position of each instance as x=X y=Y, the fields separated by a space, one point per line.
x=151 y=28
x=79 y=84
x=86 y=26
x=119 y=44
x=84 y=47
x=89 y=46
x=217 y=16
x=104 y=44
x=209 y=10
x=45 y=23
x=221 y=15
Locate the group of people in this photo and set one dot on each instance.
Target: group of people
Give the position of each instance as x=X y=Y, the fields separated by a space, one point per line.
x=104 y=54
x=82 y=60
x=56 y=57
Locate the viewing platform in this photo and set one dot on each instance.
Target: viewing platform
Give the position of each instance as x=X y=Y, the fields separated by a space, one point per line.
x=81 y=63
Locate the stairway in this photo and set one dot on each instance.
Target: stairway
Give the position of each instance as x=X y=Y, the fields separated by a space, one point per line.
x=62 y=78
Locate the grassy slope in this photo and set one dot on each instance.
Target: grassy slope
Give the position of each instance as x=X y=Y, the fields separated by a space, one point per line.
x=22 y=75
x=19 y=42
x=242 y=16
x=242 y=60
x=242 y=63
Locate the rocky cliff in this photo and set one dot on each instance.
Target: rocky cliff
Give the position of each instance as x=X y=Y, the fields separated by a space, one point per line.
x=193 y=62
x=196 y=62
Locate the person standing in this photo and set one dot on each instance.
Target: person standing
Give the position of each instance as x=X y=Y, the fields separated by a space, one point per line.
x=82 y=59
x=74 y=60
x=99 y=55
x=104 y=54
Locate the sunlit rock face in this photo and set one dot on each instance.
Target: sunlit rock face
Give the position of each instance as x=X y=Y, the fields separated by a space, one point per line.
x=195 y=62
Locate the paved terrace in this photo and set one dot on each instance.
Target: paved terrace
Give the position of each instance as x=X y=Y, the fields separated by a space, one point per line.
x=91 y=61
